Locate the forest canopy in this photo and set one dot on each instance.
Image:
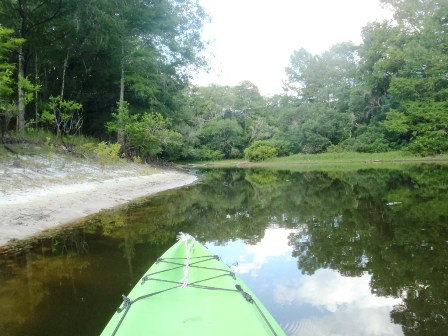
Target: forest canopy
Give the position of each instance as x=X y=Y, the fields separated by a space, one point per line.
x=120 y=71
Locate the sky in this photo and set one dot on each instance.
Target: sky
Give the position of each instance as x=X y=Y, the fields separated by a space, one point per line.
x=254 y=39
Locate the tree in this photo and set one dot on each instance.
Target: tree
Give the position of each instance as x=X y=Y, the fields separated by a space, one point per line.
x=7 y=107
x=101 y=52
x=302 y=75
x=240 y=110
x=147 y=134
x=247 y=102
x=63 y=115
x=225 y=135
x=419 y=89
x=412 y=14
x=423 y=124
x=380 y=57
x=27 y=19
x=326 y=78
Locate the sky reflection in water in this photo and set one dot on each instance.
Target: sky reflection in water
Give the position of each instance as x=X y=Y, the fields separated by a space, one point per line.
x=325 y=303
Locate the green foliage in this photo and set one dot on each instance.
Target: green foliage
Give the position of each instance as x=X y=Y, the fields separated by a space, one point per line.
x=223 y=135
x=29 y=88
x=8 y=44
x=107 y=153
x=137 y=159
x=265 y=149
x=430 y=143
x=397 y=122
x=368 y=139
x=312 y=128
x=424 y=125
x=260 y=151
x=325 y=78
x=149 y=134
x=88 y=149
x=205 y=153
x=386 y=93
x=8 y=108
x=121 y=118
x=380 y=57
x=283 y=147
x=153 y=44
x=315 y=143
x=63 y=116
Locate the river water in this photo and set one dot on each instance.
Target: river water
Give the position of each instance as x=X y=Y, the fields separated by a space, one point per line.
x=329 y=253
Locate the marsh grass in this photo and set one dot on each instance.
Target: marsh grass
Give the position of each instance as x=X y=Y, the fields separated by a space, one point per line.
x=333 y=161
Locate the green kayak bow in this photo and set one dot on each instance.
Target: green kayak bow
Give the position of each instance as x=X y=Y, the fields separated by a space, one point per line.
x=189 y=291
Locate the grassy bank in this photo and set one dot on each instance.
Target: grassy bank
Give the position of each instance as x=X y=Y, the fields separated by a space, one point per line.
x=332 y=161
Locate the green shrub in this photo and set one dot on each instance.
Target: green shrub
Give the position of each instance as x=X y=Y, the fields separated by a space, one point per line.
x=336 y=149
x=284 y=148
x=137 y=159
x=315 y=143
x=260 y=150
x=430 y=143
x=368 y=139
x=88 y=149
x=205 y=153
x=107 y=153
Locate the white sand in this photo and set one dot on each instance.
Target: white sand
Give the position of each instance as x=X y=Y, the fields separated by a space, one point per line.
x=28 y=210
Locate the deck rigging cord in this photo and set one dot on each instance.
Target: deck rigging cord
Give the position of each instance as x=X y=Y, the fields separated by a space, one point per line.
x=188 y=262
x=186 y=238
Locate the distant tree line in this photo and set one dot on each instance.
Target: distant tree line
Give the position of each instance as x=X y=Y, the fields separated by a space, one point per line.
x=120 y=70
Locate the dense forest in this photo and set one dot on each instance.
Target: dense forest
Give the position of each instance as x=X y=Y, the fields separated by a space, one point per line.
x=121 y=71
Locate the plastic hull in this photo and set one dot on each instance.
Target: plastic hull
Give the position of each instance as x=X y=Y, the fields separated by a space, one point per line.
x=189 y=291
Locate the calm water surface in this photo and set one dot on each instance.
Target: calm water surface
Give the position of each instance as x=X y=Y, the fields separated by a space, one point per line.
x=329 y=253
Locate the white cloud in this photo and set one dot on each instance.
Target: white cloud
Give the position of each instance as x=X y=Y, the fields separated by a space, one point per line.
x=253 y=39
x=354 y=309
x=347 y=306
x=273 y=244
x=349 y=322
x=329 y=289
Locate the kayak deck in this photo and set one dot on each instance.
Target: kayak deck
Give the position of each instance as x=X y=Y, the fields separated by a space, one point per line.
x=189 y=291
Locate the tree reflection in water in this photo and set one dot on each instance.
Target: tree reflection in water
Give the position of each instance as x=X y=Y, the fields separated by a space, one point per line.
x=391 y=225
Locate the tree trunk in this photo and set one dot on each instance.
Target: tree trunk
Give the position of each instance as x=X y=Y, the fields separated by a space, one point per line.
x=64 y=70
x=21 y=93
x=120 y=132
x=36 y=80
x=21 y=70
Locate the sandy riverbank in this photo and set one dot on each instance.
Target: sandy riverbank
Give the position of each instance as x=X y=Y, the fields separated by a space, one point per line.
x=30 y=204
